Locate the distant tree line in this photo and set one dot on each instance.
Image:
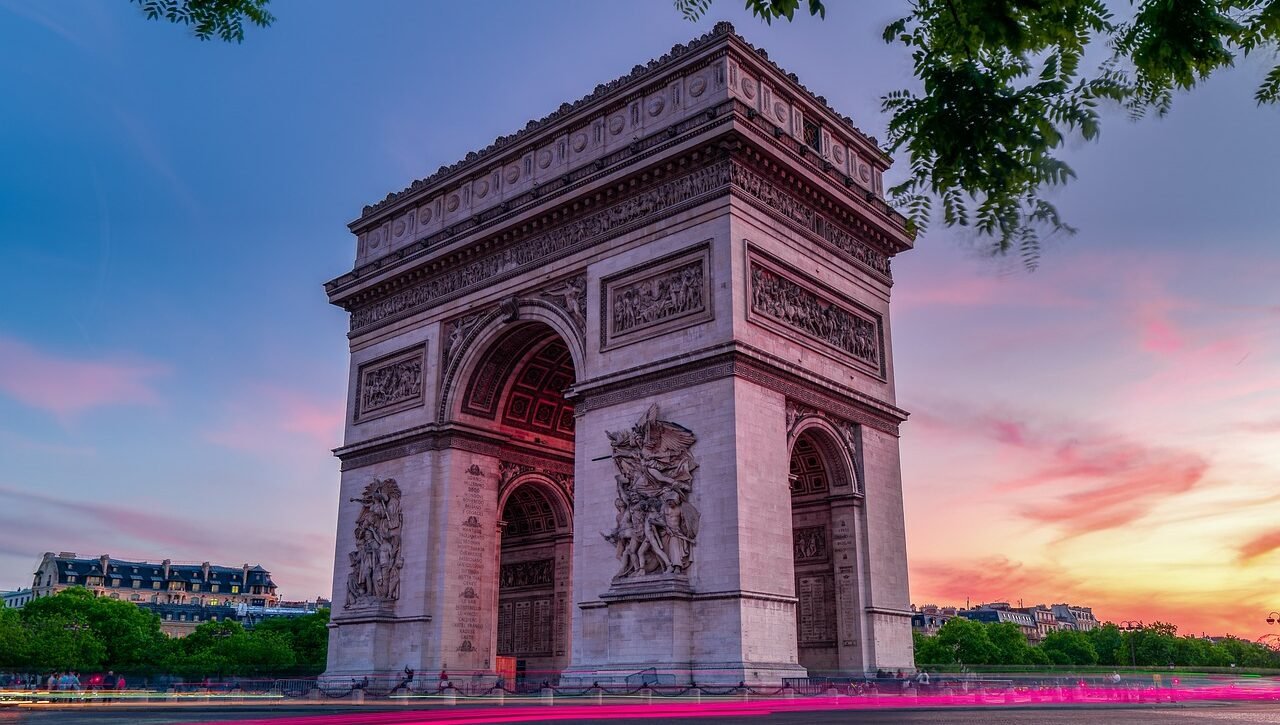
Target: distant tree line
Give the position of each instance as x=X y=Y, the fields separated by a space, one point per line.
x=74 y=630
x=965 y=642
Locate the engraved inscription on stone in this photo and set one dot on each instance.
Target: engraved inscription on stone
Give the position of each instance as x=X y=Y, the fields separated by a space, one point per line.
x=817 y=610
x=471 y=545
x=810 y=543
x=784 y=300
x=390 y=384
x=525 y=627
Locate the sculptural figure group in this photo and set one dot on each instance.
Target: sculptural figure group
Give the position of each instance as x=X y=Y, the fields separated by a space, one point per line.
x=376 y=561
x=657 y=525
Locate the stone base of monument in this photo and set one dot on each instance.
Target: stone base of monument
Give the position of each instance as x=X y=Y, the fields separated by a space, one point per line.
x=673 y=636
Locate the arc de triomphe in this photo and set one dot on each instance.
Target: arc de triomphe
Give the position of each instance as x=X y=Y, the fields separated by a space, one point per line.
x=622 y=395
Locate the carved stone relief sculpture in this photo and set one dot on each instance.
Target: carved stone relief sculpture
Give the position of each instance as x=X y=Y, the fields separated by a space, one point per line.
x=657 y=525
x=376 y=561
x=390 y=384
x=570 y=295
x=655 y=298
x=800 y=308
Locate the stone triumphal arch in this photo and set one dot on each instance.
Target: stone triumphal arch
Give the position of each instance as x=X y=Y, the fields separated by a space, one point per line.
x=622 y=396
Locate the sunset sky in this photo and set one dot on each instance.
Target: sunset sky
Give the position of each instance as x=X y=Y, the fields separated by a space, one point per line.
x=1104 y=431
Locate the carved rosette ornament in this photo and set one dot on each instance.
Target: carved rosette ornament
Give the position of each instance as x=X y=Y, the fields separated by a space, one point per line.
x=376 y=561
x=657 y=525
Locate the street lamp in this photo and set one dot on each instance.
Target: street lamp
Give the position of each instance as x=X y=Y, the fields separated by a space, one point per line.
x=1131 y=626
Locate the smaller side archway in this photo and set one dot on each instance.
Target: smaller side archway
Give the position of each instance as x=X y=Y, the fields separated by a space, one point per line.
x=534 y=559
x=824 y=522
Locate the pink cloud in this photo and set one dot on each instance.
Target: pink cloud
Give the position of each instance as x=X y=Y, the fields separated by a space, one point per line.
x=67 y=387
x=1259 y=545
x=71 y=523
x=271 y=416
x=1083 y=480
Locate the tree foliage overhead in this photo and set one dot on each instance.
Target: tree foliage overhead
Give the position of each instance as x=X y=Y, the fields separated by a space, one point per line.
x=208 y=19
x=1002 y=84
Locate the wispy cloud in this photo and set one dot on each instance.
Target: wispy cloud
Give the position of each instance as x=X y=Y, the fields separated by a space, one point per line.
x=1072 y=476
x=41 y=521
x=67 y=387
x=1259 y=546
x=270 y=418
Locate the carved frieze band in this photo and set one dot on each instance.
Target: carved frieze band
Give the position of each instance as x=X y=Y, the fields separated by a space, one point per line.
x=390 y=384
x=784 y=296
x=527 y=574
x=774 y=197
x=660 y=199
x=537 y=250
x=655 y=298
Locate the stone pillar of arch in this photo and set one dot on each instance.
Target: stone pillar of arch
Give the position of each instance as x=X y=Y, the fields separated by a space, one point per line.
x=642 y=298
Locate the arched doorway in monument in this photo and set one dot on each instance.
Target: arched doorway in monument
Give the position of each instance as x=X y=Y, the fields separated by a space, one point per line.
x=536 y=534
x=822 y=492
x=514 y=375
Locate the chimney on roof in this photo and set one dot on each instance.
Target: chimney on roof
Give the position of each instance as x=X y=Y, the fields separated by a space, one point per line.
x=104 y=561
x=166 y=564
x=244 y=576
x=205 y=569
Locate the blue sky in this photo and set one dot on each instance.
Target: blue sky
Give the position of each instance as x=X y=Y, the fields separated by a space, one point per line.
x=171 y=377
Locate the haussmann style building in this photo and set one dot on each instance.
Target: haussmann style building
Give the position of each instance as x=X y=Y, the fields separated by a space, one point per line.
x=155 y=582
x=622 y=397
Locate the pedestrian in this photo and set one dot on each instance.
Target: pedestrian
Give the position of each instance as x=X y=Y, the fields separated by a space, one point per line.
x=52 y=684
x=108 y=685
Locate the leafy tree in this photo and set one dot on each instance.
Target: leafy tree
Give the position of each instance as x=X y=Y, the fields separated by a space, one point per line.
x=1002 y=84
x=1068 y=647
x=967 y=642
x=130 y=637
x=13 y=641
x=307 y=636
x=1010 y=643
x=223 y=19
x=1109 y=642
x=218 y=649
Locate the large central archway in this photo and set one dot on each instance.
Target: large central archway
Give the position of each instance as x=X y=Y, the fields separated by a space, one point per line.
x=515 y=389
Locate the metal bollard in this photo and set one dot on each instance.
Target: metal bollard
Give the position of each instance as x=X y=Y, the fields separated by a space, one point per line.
x=548 y=696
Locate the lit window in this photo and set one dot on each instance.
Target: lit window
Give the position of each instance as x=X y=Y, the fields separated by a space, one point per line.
x=213 y=587
x=195 y=587
x=155 y=585
x=235 y=588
